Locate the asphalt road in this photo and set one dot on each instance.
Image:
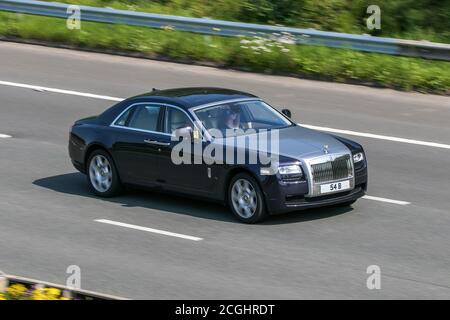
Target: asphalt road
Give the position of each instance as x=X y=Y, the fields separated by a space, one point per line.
x=47 y=216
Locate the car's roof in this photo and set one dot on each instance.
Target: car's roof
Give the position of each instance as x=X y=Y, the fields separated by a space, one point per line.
x=193 y=97
x=185 y=98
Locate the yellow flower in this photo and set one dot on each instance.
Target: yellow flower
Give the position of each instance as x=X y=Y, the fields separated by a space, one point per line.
x=53 y=292
x=16 y=290
x=2 y=296
x=46 y=294
x=38 y=294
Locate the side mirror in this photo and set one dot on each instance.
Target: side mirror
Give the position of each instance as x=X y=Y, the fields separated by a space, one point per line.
x=286 y=112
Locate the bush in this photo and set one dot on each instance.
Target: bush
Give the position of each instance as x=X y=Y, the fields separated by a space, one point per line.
x=21 y=292
x=410 y=19
x=275 y=55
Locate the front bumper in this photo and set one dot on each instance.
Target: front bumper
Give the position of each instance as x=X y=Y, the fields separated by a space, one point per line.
x=281 y=197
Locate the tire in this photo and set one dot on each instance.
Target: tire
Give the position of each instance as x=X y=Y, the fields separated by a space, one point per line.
x=102 y=175
x=245 y=199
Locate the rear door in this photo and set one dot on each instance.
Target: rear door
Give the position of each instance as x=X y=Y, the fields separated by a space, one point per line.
x=136 y=153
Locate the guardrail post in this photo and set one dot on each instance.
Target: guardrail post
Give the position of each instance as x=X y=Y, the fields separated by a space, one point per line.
x=3 y=284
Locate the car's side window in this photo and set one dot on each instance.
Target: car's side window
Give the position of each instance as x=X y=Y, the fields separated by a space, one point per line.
x=122 y=121
x=142 y=117
x=176 y=119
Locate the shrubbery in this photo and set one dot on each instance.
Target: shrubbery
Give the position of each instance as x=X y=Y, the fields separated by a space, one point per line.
x=22 y=292
x=256 y=54
x=410 y=19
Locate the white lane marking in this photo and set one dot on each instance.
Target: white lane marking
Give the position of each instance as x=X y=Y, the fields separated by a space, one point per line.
x=380 y=137
x=402 y=203
x=166 y=233
x=326 y=129
x=4 y=136
x=70 y=92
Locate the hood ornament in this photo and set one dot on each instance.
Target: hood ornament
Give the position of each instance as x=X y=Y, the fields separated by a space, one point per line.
x=325 y=149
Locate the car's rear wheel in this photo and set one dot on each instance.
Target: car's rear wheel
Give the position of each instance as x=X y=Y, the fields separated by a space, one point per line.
x=102 y=174
x=245 y=199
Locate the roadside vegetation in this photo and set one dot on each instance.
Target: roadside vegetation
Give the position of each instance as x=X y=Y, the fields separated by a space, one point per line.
x=408 y=19
x=273 y=56
x=22 y=292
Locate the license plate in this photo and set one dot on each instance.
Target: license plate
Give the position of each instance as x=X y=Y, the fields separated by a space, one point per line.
x=335 y=186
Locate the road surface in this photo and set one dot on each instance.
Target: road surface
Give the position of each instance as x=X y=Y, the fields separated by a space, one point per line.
x=49 y=220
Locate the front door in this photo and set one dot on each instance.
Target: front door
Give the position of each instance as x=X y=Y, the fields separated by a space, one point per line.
x=189 y=178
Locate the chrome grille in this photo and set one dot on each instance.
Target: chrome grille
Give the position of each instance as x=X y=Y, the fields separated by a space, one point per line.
x=339 y=168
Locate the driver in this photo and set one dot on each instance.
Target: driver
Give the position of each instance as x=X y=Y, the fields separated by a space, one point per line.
x=231 y=118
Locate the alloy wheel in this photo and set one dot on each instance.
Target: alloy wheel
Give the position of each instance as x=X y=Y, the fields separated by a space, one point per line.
x=244 y=199
x=100 y=173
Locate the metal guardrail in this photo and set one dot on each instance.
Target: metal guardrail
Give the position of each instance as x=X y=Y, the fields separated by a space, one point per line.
x=424 y=49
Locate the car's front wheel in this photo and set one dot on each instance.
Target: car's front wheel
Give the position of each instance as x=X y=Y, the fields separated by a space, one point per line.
x=102 y=175
x=245 y=198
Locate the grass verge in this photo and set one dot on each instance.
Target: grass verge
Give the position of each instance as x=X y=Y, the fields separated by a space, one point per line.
x=256 y=55
x=405 y=19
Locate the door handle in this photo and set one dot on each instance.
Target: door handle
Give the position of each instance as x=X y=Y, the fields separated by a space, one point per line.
x=157 y=142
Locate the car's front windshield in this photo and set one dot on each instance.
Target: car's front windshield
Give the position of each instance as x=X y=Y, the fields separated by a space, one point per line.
x=243 y=115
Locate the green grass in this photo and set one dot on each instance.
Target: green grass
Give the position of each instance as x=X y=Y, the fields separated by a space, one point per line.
x=296 y=60
x=408 y=19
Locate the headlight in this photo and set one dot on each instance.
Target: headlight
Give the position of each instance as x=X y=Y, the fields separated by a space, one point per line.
x=291 y=173
x=358 y=157
x=288 y=170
